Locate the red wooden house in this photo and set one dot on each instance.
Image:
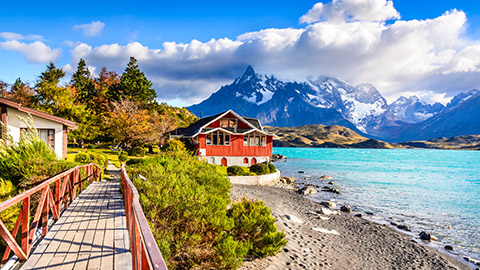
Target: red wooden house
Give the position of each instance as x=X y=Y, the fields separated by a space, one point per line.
x=229 y=139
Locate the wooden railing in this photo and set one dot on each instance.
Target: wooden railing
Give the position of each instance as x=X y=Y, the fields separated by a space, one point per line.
x=144 y=249
x=56 y=195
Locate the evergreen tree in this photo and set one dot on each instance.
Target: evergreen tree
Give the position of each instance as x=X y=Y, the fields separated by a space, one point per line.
x=134 y=85
x=49 y=92
x=84 y=86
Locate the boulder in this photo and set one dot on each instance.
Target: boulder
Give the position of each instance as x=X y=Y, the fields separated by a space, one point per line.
x=301 y=171
x=287 y=180
x=358 y=215
x=307 y=191
x=426 y=236
x=404 y=227
x=326 y=211
x=346 y=209
x=326 y=177
x=448 y=247
x=393 y=223
x=332 y=190
x=331 y=183
x=370 y=213
x=328 y=204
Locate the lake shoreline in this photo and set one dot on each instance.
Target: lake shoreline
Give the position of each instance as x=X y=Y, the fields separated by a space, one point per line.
x=336 y=240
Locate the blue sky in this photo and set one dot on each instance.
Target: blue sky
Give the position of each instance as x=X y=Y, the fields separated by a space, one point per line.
x=195 y=69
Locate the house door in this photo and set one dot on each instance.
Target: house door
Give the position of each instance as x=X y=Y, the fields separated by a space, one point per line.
x=224 y=162
x=253 y=161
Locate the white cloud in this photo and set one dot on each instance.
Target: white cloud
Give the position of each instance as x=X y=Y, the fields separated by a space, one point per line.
x=34 y=52
x=351 y=10
x=349 y=39
x=90 y=29
x=16 y=36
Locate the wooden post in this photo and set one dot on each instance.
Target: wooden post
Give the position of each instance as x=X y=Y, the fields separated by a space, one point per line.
x=25 y=214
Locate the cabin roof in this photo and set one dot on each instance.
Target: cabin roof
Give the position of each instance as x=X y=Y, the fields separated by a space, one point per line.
x=37 y=113
x=199 y=126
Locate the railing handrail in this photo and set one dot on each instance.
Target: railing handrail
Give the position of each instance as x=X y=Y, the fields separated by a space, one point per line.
x=6 y=204
x=144 y=249
x=51 y=200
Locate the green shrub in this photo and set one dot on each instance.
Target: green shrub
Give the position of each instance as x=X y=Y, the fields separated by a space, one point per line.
x=134 y=161
x=235 y=170
x=271 y=167
x=259 y=169
x=176 y=146
x=254 y=224
x=123 y=156
x=92 y=156
x=185 y=201
x=137 y=152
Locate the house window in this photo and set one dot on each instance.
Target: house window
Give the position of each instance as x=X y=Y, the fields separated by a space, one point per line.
x=209 y=139
x=47 y=135
x=254 y=139
x=227 y=139
x=212 y=160
x=219 y=138
x=228 y=123
x=245 y=160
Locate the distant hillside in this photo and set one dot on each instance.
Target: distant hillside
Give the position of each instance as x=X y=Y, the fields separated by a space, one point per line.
x=465 y=142
x=323 y=137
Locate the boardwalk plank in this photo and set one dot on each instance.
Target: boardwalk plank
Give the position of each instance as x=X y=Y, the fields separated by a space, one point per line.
x=90 y=234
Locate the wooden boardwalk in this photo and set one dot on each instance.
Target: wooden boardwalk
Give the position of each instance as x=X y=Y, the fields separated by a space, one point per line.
x=90 y=234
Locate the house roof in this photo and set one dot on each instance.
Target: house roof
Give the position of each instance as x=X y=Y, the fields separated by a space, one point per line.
x=197 y=127
x=37 y=113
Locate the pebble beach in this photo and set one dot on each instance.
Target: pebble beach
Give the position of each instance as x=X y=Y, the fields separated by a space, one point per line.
x=322 y=238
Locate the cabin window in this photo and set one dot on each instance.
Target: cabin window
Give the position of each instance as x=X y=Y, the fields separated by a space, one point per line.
x=227 y=139
x=219 y=138
x=209 y=139
x=47 y=135
x=254 y=139
x=212 y=160
x=228 y=123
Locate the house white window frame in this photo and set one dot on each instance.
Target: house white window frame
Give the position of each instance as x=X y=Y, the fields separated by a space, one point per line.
x=218 y=138
x=255 y=139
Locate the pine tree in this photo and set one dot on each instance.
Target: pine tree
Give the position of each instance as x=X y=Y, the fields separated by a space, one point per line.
x=135 y=85
x=49 y=92
x=83 y=84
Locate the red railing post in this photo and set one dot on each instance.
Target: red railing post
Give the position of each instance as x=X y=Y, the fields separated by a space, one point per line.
x=25 y=214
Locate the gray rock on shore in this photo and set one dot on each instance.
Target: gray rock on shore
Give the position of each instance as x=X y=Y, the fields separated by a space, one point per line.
x=426 y=236
x=328 y=204
x=326 y=177
x=346 y=208
x=307 y=191
x=448 y=247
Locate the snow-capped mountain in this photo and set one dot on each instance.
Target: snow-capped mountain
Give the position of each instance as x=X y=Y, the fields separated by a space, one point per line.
x=412 y=110
x=323 y=100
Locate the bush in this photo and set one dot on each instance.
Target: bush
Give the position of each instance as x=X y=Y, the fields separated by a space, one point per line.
x=259 y=169
x=134 y=161
x=9 y=215
x=123 y=156
x=92 y=156
x=137 y=152
x=235 y=170
x=176 y=146
x=255 y=225
x=185 y=201
x=271 y=167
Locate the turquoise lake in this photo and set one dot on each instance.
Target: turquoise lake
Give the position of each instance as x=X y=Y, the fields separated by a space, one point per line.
x=429 y=190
